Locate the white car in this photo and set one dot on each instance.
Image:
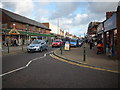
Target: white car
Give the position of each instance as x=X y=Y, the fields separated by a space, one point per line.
x=37 y=45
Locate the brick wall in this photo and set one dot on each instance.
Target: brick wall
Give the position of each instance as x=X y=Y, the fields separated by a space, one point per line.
x=118 y=35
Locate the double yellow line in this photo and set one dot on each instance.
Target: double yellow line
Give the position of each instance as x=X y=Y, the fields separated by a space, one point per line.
x=86 y=66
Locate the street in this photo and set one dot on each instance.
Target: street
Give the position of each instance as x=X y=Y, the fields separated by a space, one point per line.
x=48 y=72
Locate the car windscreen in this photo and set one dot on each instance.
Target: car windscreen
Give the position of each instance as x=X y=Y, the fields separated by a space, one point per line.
x=35 y=42
x=56 y=41
x=73 y=41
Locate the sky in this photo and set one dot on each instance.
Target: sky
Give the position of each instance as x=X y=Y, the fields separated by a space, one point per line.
x=73 y=15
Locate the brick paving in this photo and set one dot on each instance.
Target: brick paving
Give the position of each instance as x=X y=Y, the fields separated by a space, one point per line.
x=101 y=60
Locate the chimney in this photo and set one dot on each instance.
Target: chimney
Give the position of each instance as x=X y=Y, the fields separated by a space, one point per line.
x=109 y=14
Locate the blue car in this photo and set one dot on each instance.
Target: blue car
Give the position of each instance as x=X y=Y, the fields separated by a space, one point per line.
x=73 y=42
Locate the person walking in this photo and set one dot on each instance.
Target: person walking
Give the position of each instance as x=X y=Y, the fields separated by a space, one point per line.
x=7 y=41
x=91 y=44
x=15 y=42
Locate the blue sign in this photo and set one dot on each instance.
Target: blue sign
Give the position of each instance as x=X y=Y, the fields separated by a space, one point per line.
x=110 y=23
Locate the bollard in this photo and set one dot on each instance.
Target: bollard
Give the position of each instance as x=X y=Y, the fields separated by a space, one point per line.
x=84 y=57
x=8 y=48
x=61 y=48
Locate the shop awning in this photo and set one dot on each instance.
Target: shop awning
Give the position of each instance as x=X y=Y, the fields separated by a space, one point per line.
x=29 y=33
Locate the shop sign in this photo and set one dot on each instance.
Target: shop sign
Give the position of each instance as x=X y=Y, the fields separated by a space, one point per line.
x=110 y=23
x=13 y=32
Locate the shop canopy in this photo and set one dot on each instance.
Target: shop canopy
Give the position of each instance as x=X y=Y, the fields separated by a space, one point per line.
x=110 y=23
x=27 y=33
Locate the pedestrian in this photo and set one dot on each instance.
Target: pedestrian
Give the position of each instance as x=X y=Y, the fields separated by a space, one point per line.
x=23 y=42
x=14 y=42
x=7 y=41
x=91 y=44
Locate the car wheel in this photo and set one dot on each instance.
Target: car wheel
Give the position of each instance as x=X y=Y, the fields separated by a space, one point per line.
x=28 y=51
x=46 y=48
x=41 y=49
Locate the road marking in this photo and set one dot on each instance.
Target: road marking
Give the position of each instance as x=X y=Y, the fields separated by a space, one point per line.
x=73 y=63
x=25 y=65
x=12 y=71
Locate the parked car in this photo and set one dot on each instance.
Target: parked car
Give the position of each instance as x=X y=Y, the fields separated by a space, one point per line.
x=73 y=42
x=56 y=43
x=37 y=45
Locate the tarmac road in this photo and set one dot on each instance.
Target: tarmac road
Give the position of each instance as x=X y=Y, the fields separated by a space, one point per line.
x=48 y=72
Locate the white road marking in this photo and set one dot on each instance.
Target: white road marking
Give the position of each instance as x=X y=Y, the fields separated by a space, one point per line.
x=12 y=71
x=25 y=65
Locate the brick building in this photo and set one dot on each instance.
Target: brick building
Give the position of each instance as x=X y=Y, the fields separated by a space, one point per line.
x=18 y=27
x=92 y=29
x=109 y=29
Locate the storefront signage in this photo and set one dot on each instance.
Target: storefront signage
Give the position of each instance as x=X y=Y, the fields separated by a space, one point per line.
x=13 y=32
x=110 y=23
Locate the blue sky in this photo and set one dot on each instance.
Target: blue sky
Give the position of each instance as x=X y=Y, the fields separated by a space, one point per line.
x=73 y=16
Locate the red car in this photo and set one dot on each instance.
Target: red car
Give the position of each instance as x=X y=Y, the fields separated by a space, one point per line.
x=56 y=43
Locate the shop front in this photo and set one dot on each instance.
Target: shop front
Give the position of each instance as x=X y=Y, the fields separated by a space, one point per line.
x=110 y=32
x=18 y=37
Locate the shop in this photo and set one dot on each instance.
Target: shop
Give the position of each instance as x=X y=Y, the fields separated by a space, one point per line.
x=110 y=36
x=19 y=30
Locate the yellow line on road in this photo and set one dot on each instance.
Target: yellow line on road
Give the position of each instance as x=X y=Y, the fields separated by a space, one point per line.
x=73 y=63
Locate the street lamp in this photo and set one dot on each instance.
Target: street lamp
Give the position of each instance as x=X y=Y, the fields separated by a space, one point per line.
x=27 y=34
x=14 y=25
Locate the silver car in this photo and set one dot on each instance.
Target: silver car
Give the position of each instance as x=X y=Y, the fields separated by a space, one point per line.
x=37 y=45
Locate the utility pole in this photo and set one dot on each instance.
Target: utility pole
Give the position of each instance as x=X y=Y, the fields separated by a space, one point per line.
x=58 y=27
x=27 y=34
x=84 y=53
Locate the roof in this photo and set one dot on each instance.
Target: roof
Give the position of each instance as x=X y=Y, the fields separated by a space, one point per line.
x=23 y=19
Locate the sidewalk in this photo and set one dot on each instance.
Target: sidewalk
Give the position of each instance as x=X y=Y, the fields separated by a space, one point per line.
x=92 y=59
x=13 y=50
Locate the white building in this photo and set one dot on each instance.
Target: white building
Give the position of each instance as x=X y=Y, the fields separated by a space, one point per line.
x=54 y=28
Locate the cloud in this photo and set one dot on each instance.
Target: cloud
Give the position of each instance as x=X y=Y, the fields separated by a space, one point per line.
x=64 y=9
x=73 y=16
x=1 y=5
x=80 y=19
x=9 y=5
x=24 y=8
x=97 y=10
x=102 y=7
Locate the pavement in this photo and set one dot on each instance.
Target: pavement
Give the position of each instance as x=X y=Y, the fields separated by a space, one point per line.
x=13 y=50
x=92 y=59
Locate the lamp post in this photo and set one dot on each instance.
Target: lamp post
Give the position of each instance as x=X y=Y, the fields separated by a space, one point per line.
x=84 y=53
x=27 y=34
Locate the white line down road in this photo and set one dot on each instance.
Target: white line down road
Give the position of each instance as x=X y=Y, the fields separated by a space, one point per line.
x=26 y=64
